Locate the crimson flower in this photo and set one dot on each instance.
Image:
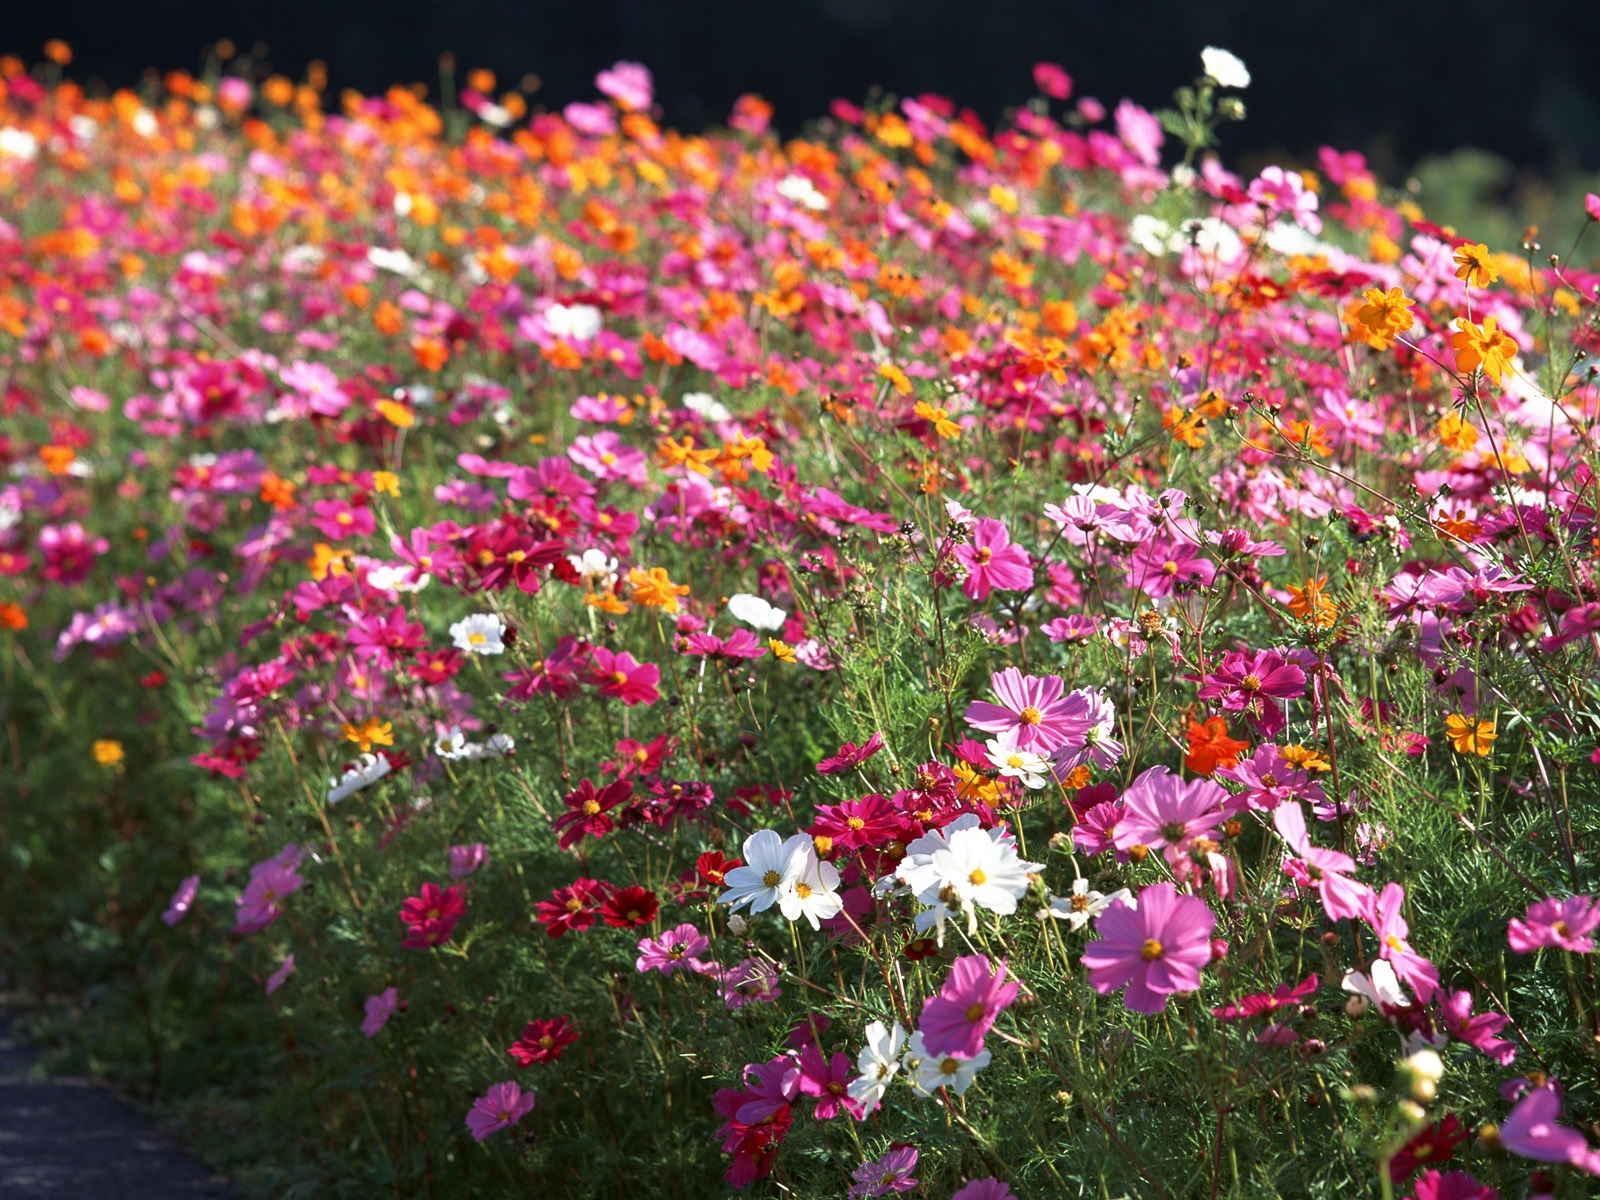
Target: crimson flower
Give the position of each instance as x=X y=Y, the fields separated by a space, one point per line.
x=629 y=907
x=543 y=1041
x=431 y=916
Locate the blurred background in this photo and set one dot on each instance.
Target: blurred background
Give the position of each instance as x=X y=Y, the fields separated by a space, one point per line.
x=1491 y=111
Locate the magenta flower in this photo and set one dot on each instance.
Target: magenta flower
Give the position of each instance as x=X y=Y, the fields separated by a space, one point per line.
x=379 y=1009
x=992 y=562
x=955 y=1021
x=1455 y=1010
x=618 y=674
x=1384 y=916
x=1532 y=1132
x=1154 y=949
x=987 y=1188
x=675 y=950
x=850 y=755
x=182 y=900
x=431 y=915
x=1033 y=714
x=1551 y=922
x=891 y=1173
x=1450 y=1185
x=828 y=1079
x=1159 y=565
x=501 y=1107
x=464 y=860
x=1255 y=684
x=749 y=981
x=587 y=809
x=1325 y=870
x=270 y=883
x=277 y=978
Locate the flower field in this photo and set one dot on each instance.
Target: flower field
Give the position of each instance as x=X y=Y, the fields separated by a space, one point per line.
x=544 y=655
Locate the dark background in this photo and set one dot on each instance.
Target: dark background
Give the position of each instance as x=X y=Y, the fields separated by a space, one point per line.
x=1400 y=80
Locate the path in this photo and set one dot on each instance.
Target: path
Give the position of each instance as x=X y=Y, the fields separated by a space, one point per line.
x=70 y=1138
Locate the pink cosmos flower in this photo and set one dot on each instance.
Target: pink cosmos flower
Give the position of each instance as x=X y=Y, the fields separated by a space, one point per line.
x=1325 y=870
x=1160 y=564
x=1052 y=80
x=277 y=978
x=604 y=455
x=992 y=562
x=464 y=860
x=1283 y=996
x=270 y=883
x=1551 y=922
x=891 y=1173
x=678 y=949
x=501 y=1107
x=828 y=1079
x=587 y=811
x=749 y=981
x=619 y=674
x=850 y=755
x=988 y=1188
x=1162 y=810
x=1450 y=1185
x=1032 y=714
x=1280 y=191
x=1383 y=914
x=379 y=1009
x=628 y=83
x=1269 y=779
x=1253 y=684
x=1154 y=949
x=955 y=1021
x=1532 y=1132
x=182 y=900
x=1455 y=1011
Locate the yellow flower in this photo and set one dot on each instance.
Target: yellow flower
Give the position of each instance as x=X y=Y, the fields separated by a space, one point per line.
x=1473 y=266
x=1307 y=758
x=107 y=752
x=781 y=651
x=386 y=482
x=942 y=424
x=1468 y=736
x=369 y=733
x=397 y=414
x=1456 y=434
x=895 y=376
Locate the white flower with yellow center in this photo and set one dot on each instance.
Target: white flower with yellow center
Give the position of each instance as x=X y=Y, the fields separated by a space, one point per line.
x=1032 y=769
x=481 y=633
x=878 y=1064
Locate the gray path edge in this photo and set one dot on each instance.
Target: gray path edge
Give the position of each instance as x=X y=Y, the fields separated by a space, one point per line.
x=68 y=1136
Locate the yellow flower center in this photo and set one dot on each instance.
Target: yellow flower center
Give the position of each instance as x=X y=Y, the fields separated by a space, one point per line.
x=770 y=879
x=1030 y=716
x=591 y=807
x=1251 y=683
x=1151 y=950
x=803 y=890
x=978 y=878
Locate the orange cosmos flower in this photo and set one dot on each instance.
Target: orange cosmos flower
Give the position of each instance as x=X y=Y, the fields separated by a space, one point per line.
x=1487 y=347
x=942 y=424
x=1468 y=736
x=1309 y=604
x=1455 y=434
x=655 y=589
x=1473 y=266
x=1210 y=746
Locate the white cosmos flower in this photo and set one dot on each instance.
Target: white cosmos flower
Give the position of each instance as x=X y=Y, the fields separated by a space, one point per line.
x=397 y=577
x=481 y=633
x=756 y=612
x=1078 y=905
x=706 y=406
x=797 y=189
x=772 y=867
x=1224 y=67
x=981 y=869
x=577 y=322
x=453 y=745
x=366 y=770
x=18 y=144
x=597 y=569
x=931 y=1072
x=814 y=895
x=396 y=262
x=879 y=1063
x=1025 y=765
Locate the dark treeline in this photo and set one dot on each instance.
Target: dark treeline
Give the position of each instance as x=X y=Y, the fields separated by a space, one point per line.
x=1398 y=81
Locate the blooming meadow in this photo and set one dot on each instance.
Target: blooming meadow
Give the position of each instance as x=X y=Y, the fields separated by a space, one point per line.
x=545 y=652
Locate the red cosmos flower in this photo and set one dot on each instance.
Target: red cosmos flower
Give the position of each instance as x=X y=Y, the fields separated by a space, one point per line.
x=586 y=811
x=619 y=674
x=506 y=553
x=850 y=755
x=573 y=907
x=629 y=907
x=1261 y=1003
x=431 y=916
x=639 y=758
x=543 y=1041
x=713 y=868
x=1435 y=1144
